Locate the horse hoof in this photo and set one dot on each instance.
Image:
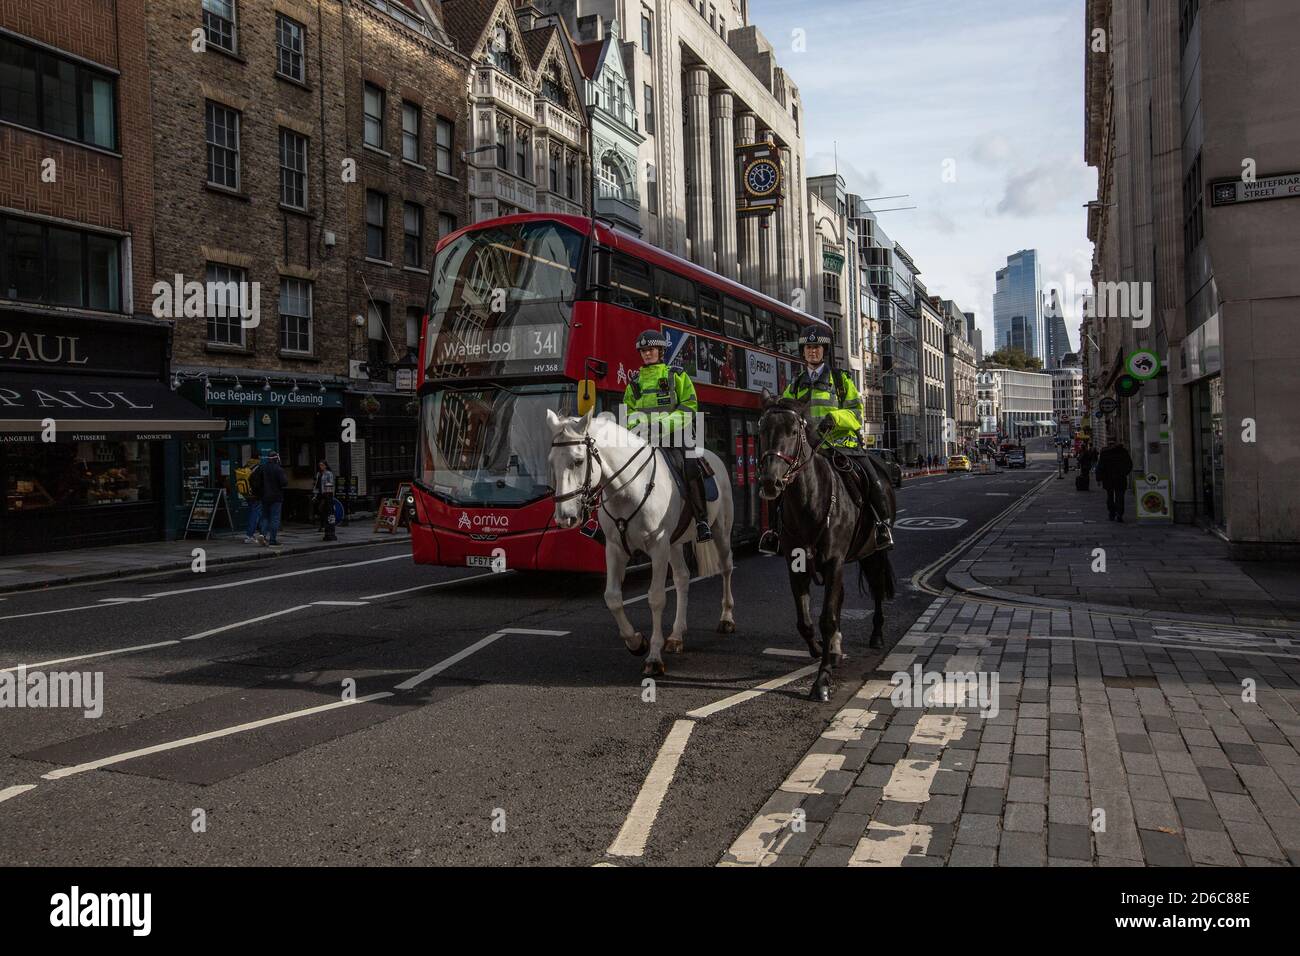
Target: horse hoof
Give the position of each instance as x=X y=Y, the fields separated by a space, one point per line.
x=642 y=648
x=815 y=651
x=653 y=668
x=820 y=693
x=674 y=646
x=726 y=627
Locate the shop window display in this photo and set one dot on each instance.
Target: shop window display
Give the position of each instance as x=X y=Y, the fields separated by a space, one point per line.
x=78 y=474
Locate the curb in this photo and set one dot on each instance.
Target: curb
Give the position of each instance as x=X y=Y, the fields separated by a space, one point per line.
x=958 y=576
x=262 y=554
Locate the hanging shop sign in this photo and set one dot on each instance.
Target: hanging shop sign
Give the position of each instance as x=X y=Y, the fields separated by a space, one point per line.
x=1143 y=364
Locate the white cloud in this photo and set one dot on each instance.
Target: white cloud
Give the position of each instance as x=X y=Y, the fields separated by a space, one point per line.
x=1044 y=188
x=864 y=184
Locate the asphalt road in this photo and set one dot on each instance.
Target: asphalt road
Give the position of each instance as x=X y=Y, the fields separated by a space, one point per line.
x=224 y=693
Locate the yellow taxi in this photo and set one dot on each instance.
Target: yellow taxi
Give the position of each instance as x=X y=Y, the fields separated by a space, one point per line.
x=958 y=463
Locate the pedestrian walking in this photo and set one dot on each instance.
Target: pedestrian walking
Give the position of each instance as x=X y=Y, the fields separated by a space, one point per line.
x=324 y=481
x=1087 y=458
x=248 y=483
x=1114 y=465
x=273 y=483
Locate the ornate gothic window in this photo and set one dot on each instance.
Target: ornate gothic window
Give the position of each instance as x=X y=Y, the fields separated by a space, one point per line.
x=553 y=86
x=503 y=58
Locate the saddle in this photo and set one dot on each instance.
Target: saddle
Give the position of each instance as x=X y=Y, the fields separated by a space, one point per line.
x=679 y=465
x=858 y=471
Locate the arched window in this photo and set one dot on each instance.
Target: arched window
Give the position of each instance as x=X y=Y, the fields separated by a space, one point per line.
x=500 y=53
x=553 y=86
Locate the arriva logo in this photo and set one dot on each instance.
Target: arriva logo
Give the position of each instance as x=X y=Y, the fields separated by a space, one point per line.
x=483 y=522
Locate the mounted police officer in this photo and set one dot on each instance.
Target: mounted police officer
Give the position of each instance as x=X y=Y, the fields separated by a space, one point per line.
x=835 y=404
x=663 y=396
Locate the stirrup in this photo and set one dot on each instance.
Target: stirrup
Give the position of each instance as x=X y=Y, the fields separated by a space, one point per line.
x=702 y=531
x=769 y=542
x=884 y=536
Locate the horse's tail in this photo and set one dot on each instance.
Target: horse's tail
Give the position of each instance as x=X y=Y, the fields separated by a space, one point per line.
x=876 y=573
x=707 y=561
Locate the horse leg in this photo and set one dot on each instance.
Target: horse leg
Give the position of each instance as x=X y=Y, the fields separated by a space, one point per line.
x=878 y=577
x=800 y=584
x=676 y=642
x=727 y=622
x=657 y=600
x=615 y=569
x=833 y=570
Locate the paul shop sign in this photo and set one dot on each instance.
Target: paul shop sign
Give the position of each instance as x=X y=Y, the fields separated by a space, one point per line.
x=310 y=397
x=55 y=343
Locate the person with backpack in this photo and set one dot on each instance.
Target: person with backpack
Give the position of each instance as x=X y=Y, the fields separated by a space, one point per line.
x=273 y=483
x=248 y=482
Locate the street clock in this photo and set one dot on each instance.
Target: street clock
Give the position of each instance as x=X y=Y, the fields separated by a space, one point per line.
x=762 y=177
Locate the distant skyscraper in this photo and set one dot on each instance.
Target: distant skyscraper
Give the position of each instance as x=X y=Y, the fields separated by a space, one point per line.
x=1018 y=306
x=1058 y=339
x=975 y=335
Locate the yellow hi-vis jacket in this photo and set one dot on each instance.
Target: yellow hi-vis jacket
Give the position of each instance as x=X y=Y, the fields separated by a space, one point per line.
x=823 y=399
x=663 y=395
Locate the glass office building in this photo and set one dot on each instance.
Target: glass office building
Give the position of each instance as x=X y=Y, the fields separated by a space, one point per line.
x=1018 y=319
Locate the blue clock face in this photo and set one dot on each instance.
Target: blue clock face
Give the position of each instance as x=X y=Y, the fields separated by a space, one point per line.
x=761 y=177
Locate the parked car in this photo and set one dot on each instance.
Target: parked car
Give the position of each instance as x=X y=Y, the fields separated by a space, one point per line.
x=1016 y=458
x=958 y=463
x=889 y=458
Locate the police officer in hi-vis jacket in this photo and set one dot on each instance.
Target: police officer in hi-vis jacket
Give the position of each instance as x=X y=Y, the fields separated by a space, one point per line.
x=835 y=405
x=664 y=397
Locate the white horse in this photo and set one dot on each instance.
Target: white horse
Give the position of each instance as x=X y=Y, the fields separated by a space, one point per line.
x=640 y=509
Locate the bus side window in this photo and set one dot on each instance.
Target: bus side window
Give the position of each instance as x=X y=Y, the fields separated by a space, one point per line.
x=710 y=311
x=787 y=337
x=629 y=282
x=738 y=319
x=765 y=337
x=675 y=297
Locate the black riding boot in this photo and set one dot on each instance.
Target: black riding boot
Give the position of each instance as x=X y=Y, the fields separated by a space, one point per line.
x=695 y=496
x=879 y=505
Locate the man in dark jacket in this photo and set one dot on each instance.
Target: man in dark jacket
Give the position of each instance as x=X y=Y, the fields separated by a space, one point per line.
x=1113 y=468
x=274 y=481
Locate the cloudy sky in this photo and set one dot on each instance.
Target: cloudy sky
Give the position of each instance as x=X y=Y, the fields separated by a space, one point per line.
x=897 y=87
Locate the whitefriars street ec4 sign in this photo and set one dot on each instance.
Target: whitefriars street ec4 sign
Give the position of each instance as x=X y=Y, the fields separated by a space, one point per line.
x=1268 y=187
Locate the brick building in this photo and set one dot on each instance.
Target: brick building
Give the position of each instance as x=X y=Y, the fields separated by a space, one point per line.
x=307 y=160
x=82 y=359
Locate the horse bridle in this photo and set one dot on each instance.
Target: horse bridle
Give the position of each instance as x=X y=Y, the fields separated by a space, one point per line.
x=796 y=464
x=591 y=494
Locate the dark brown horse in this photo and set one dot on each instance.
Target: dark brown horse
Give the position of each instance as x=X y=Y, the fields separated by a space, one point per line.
x=826 y=523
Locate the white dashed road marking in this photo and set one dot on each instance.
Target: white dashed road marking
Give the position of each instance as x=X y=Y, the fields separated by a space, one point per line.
x=632 y=836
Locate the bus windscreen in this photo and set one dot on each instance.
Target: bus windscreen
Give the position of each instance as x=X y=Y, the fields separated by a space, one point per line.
x=501 y=301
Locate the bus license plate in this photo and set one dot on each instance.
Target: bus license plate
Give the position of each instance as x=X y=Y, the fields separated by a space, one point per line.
x=478 y=560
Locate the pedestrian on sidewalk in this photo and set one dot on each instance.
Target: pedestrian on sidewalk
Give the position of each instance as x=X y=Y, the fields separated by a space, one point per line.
x=248 y=483
x=1114 y=465
x=324 y=480
x=274 y=481
x=1087 y=458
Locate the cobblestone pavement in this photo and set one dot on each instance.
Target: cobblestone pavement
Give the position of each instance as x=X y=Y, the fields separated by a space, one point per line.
x=1114 y=742
x=1046 y=551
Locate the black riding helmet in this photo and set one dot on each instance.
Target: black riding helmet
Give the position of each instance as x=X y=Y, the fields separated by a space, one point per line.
x=651 y=339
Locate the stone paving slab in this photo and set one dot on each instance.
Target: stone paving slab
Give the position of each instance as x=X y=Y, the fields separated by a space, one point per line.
x=1044 y=553
x=29 y=571
x=1147 y=749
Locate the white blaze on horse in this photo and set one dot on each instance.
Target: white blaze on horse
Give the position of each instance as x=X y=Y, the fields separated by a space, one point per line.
x=598 y=466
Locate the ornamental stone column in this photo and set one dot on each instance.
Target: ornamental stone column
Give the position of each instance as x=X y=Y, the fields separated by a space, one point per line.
x=747 y=227
x=699 y=198
x=724 y=182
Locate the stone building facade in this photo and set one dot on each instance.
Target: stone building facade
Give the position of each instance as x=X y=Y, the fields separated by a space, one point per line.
x=1198 y=167
x=707 y=81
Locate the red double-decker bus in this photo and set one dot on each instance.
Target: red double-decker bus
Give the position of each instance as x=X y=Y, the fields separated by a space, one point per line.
x=526 y=310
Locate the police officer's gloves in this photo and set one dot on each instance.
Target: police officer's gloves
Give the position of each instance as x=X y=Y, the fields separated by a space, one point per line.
x=825 y=425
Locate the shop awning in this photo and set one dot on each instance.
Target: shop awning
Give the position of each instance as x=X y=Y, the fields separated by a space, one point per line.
x=90 y=409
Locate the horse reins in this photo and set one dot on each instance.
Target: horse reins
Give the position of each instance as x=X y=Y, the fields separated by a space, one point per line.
x=796 y=464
